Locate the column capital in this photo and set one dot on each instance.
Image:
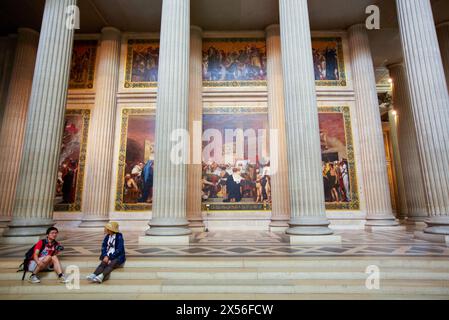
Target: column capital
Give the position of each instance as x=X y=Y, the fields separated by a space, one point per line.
x=357 y=26
x=395 y=65
x=110 y=31
x=28 y=30
x=442 y=24
x=196 y=29
x=273 y=29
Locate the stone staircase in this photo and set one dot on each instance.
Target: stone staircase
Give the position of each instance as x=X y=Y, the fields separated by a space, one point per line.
x=242 y=278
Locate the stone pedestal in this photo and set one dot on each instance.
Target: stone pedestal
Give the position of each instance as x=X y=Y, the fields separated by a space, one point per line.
x=308 y=216
x=374 y=168
x=14 y=118
x=33 y=205
x=280 y=207
x=97 y=190
x=169 y=224
x=429 y=101
x=194 y=169
x=408 y=148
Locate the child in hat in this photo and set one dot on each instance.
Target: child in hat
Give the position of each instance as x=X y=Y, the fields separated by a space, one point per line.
x=112 y=253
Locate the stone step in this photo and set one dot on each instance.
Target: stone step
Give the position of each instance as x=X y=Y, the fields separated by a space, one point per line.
x=390 y=287
x=182 y=297
x=261 y=262
x=249 y=274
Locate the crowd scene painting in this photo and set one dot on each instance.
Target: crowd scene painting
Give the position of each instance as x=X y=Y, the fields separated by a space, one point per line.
x=142 y=63
x=326 y=60
x=69 y=176
x=82 y=67
x=137 y=183
x=229 y=60
x=335 y=165
x=245 y=179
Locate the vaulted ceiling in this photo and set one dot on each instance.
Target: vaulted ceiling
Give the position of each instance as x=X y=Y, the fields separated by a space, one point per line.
x=145 y=16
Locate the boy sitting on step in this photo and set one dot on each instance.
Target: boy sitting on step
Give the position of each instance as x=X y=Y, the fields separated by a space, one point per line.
x=112 y=253
x=45 y=256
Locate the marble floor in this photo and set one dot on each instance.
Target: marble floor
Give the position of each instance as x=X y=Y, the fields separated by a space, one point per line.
x=250 y=244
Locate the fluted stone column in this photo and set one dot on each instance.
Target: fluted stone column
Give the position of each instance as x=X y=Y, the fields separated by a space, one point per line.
x=429 y=100
x=402 y=210
x=408 y=148
x=195 y=128
x=7 y=52
x=33 y=205
x=308 y=216
x=96 y=198
x=169 y=223
x=443 y=39
x=379 y=212
x=14 y=119
x=280 y=207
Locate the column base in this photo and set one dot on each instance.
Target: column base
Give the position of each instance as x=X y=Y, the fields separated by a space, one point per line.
x=437 y=225
x=304 y=240
x=164 y=240
x=278 y=225
x=168 y=227
x=385 y=228
x=381 y=220
x=4 y=221
x=196 y=225
x=93 y=222
x=31 y=227
x=309 y=226
x=436 y=238
x=278 y=229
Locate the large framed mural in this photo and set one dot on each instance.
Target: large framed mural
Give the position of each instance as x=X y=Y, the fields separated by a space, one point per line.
x=136 y=159
x=71 y=165
x=82 y=68
x=328 y=61
x=142 y=61
x=245 y=183
x=234 y=62
x=241 y=181
x=338 y=162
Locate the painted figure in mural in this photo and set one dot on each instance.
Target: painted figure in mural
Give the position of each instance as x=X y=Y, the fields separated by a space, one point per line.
x=325 y=63
x=345 y=180
x=234 y=187
x=248 y=63
x=80 y=65
x=145 y=64
x=69 y=173
x=147 y=179
x=132 y=192
x=331 y=64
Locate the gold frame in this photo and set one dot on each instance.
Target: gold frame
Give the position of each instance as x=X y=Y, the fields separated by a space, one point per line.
x=355 y=200
x=128 y=84
x=131 y=207
x=76 y=206
x=91 y=68
x=234 y=83
x=342 y=82
x=119 y=204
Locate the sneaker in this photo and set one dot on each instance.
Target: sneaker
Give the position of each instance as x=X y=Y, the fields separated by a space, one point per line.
x=99 y=278
x=34 y=279
x=63 y=279
x=91 y=277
